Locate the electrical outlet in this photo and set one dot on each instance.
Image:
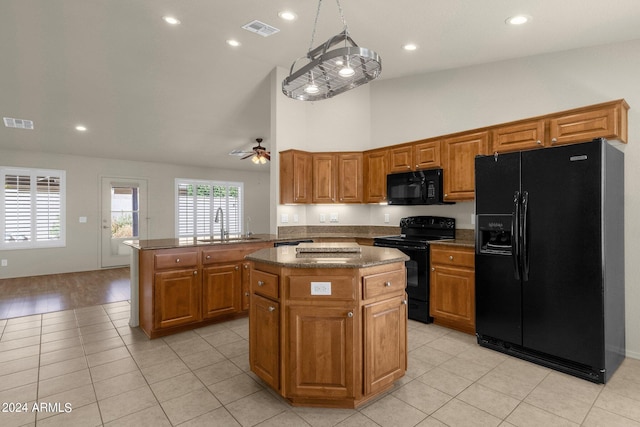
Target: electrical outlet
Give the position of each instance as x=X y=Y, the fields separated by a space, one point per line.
x=320 y=288
x=323 y=218
x=83 y=220
x=473 y=219
x=386 y=218
x=284 y=218
x=295 y=217
x=4 y=263
x=333 y=217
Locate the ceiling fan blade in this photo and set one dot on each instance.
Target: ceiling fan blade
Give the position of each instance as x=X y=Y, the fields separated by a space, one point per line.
x=267 y=155
x=247 y=156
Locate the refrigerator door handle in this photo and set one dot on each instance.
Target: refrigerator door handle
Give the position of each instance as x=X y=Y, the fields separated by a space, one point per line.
x=523 y=234
x=515 y=235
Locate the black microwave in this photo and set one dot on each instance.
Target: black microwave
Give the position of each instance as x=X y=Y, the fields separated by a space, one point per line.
x=422 y=187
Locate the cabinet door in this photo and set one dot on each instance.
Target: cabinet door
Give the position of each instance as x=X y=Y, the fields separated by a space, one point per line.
x=521 y=136
x=401 y=159
x=385 y=343
x=176 y=298
x=295 y=177
x=376 y=165
x=584 y=126
x=350 y=178
x=452 y=297
x=221 y=285
x=264 y=338
x=320 y=352
x=458 y=155
x=427 y=154
x=324 y=178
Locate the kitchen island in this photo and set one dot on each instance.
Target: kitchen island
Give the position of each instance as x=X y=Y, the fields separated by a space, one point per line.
x=328 y=327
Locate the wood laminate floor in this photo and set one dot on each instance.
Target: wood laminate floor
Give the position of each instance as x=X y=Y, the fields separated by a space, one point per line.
x=25 y=296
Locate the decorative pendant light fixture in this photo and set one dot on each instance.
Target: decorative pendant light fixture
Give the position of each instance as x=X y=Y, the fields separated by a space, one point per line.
x=331 y=72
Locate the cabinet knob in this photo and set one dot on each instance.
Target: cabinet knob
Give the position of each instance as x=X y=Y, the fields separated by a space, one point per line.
x=404 y=302
x=246 y=294
x=272 y=308
x=538 y=142
x=387 y=284
x=237 y=268
x=177 y=259
x=451 y=257
x=554 y=140
x=208 y=257
x=433 y=269
x=260 y=283
x=350 y=314
x=246 y=266
x=195 y=273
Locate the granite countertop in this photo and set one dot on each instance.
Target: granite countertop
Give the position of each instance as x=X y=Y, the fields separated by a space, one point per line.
x=288 y=256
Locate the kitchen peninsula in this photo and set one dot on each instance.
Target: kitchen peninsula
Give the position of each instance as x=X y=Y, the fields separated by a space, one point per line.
x=328 y=321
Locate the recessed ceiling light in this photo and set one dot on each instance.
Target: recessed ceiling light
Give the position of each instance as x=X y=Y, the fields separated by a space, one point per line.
x=171 y=20
x=410 y=46
x=287 y=15
x=233 y=42
x=518 y=19
x=81 y=128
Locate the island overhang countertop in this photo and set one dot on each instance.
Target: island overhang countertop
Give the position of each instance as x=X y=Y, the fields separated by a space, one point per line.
x=328 y=256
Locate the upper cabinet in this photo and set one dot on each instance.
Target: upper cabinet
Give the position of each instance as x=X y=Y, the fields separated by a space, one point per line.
x=376 y=167
x=519 y=136
x=295 y=177
x=604 y=121
x=356 y=177
x=458 y=164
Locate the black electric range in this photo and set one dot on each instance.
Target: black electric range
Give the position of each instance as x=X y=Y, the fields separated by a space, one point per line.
x=415 y=234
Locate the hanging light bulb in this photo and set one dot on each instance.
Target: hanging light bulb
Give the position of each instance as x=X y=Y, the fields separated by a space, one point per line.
x=263 y=160
x=312 y=87
x=346 y=71
x=255 y=159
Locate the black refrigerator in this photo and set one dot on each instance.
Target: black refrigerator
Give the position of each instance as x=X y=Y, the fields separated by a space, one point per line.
x=550 y=257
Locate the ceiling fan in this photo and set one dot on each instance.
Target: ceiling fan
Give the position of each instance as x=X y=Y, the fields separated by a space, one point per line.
x=259 y=154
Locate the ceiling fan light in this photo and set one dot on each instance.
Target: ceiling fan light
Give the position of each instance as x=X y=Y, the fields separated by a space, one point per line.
x=263 y=160
x=255 y=159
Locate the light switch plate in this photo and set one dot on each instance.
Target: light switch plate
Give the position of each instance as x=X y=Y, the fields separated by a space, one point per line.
x=284 y=218
x=386 y=218
x=83 y=220
x=323 y=218
x=333 y=217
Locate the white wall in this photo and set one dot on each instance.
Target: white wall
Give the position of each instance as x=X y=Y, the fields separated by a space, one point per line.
x=82 y=251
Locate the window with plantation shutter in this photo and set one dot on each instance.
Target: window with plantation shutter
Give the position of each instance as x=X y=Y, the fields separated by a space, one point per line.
x=197 y=203
x=32 y=205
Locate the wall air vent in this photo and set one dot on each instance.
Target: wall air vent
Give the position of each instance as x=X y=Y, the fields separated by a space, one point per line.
x=260 y=28
x=18 y=123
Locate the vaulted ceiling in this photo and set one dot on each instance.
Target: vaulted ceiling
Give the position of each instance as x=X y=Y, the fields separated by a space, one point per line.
x=150 y=91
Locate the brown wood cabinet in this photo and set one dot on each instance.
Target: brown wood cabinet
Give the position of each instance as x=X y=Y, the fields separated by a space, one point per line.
x=603 y=121
x=458 y=158
x=520 y=136
x=350 y=177
x=426 y=154
x=295 y=177
x=376 y=168
x=185 y=288
x=400 y=158
x=337 y=178
x=338 y=347
x=452 y=287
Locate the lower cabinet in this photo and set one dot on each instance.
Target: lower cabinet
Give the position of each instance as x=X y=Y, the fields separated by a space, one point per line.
x=452 y=287
x=321 y=351
x=328 y=337
x=184 y=288
x=177 y=298
x=385 y=337
x=264 y=336
x=221 y=290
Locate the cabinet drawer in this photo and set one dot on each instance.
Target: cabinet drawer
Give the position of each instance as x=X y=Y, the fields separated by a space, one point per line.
x=453 y=256
x=321 y=287
x=383 y=283
x=264 y=284
x=231 y=252
x=176 y=260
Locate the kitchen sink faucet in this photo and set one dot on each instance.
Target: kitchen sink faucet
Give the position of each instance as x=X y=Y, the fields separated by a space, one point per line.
x=220 y=218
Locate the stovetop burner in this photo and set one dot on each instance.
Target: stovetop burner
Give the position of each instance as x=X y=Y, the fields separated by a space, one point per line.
x=419 y=230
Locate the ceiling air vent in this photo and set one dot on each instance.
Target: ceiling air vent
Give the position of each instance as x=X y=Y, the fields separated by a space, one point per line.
x=260 y=28
x=18 y=123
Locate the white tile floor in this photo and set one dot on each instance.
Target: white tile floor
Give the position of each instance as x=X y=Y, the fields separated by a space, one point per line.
x=112 y=375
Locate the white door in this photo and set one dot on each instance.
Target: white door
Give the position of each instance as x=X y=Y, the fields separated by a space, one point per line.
x=124 y=217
